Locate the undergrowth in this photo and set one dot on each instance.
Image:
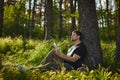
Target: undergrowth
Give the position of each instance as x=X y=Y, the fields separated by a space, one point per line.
x=31 y=52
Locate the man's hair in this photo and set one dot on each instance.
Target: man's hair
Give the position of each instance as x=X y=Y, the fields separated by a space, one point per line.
x=79 y=34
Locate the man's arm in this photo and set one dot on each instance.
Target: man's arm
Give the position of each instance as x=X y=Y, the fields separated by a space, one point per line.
x=67 y=58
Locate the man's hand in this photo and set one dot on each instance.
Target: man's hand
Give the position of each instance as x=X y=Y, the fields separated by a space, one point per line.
x=65 y=57
x=56 y=52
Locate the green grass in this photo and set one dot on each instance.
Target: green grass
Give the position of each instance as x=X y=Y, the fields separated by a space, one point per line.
x=31 y=52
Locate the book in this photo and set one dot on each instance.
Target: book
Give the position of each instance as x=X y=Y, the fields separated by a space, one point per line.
x=56 y=47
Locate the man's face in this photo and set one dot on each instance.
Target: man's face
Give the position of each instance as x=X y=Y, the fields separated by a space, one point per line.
x=74 y=36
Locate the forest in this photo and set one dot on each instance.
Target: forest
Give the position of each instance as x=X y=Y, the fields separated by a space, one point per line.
x=29 y=28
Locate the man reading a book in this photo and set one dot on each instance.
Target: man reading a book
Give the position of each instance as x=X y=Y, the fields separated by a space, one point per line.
x=73 y=60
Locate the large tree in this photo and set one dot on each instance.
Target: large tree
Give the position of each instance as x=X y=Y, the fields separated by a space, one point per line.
x=89 y=27
x=118 y=38
x=1 y=15
x=49 y=19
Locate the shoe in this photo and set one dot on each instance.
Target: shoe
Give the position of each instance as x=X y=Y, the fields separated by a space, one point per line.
x=21 y=68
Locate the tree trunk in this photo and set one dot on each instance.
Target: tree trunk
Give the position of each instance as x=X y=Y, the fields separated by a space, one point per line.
x=0 y=65
x=0 y=61
x=107 y=19
x=89 y=27
x=60 y=23
x=1 y=16
x=101 y=9
x=29 y=23
x=49 y=20
x=33 y=17
x=118 y=38
x=116 y=22
x=41 y=13
x=73 y=9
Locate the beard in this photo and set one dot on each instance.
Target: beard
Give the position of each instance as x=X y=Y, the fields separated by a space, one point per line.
x=73 y=39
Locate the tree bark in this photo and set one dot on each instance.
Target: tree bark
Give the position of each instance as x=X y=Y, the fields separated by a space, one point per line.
x=73 y=9
x=1 y=16
x=41 y=13
x=89 y=27
x=49 y=20
x=29 y=23
x=101 y=9
x=33 y=18
x=118 y=38
x=107 y=19
x=60 y=23
x=0 y=65
x=0 y=61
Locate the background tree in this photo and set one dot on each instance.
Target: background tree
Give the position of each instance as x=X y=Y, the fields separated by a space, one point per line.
x=60 y=22
x=29 y=22
x=0 y=62
x=49 y=19
x=73 y=10
x=33 y=17
x=1 y=16
x=118 y=38
x=107 y=18
x=101 y=12
x=89 y=27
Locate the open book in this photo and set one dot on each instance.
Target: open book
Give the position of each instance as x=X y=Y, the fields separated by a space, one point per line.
x=56 y=47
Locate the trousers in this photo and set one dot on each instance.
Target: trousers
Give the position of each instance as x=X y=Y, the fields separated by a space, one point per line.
x=52 y=62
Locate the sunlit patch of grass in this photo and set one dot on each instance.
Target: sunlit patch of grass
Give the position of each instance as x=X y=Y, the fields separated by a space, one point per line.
x=108 y=50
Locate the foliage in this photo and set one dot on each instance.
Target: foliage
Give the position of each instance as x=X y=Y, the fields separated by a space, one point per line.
x=13 y=53
x=101 y=73
x=14 y=20
x=108 y=50
x=104 y=33
x=38 y=32
x=10 y=46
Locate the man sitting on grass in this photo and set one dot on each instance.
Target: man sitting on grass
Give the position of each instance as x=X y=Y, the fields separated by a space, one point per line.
x=56 y=59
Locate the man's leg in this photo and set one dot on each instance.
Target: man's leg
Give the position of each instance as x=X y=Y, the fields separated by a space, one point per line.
x=67 y=66
x=50 y=66
x=49 y=61
x=51 y=58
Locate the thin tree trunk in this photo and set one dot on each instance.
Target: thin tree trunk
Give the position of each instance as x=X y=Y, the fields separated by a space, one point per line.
x=60 y=17
x=41 y=2
x=33 y=17
x=0 y=61
x=1 y=16
x=101 y=13
x=89 y=27
x=118 y=38
x=107 y=19
x=29 y=23
x=115 y=18
x=49 y=19
x=44 y=16
x=1 y=23
x=73 y=9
